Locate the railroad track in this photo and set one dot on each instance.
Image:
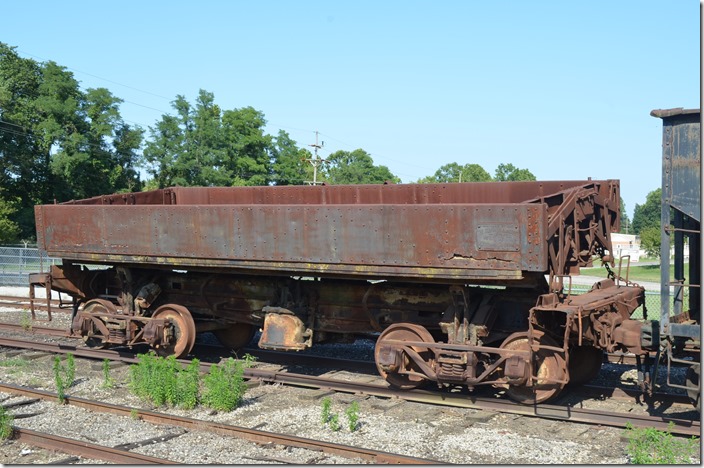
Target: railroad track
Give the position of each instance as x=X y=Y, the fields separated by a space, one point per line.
x=252 y=435
x=680 y=426
x=21 y=302
x=84 y=449
x=368 y=367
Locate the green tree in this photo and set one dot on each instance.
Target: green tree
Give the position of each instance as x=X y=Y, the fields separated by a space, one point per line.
x=56 y=141
x=247 y=147
x=9 y=230
x=647 y=214
x=650 y=240
x=625 y=221
x=204 y=146
x=356 y=167
x=289 y=162
x=100 y=155
x=454 y=172
x=509 y=172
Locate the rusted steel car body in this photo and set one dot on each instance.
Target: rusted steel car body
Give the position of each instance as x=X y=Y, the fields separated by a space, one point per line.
x=680 y=328
x=464 y=281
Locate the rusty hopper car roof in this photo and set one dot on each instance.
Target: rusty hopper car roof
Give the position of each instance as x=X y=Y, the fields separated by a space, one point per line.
x=492 y=231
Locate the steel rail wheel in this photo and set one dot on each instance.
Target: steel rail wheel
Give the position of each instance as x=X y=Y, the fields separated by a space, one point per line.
x=235 y=336
x=184 y=330
x=404 y=332
x=548 y=367
x=94 y=337
x=584 y=363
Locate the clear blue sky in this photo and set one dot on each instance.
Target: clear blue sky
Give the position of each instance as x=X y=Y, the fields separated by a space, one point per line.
x=562 y=88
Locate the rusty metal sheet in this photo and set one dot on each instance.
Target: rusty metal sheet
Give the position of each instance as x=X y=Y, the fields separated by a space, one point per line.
x=411 y=194
x=433 y=240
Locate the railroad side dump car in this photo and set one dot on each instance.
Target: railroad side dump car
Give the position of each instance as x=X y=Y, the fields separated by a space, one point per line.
x=466 y=283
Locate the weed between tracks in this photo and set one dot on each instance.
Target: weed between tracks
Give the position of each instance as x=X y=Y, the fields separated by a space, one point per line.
x=647 y=446
x=224 y=385
x=6 y=420
x=108 y=381
x=64 y=375
x=163 y=381
x=15 y=365
x=328 y=418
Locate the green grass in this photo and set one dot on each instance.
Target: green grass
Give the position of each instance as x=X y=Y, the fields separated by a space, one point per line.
x=224 y=386
x=14 y=363
x=64 y=375
x=164 y=381
x=636 y=273
x=647 y=446
x=6 y=420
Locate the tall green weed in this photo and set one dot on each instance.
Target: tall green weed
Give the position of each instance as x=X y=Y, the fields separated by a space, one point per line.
x=224 y=385
x=647 y=446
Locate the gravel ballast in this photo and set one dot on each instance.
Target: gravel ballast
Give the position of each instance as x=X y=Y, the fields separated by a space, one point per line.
x=450 y=435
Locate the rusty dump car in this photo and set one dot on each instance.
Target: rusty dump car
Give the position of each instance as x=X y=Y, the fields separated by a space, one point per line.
x=466 y=284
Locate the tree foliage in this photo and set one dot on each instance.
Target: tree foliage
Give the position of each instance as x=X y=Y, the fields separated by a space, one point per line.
x=454 y=172
x=509 y=172
x=57 y=142
x=650 y=240
x=648 y=214
x=289 y=162
x=355 y=167
x=202 y=145
x=625 y=221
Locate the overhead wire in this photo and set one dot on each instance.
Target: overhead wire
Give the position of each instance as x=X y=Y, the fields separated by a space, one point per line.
x=373 y=154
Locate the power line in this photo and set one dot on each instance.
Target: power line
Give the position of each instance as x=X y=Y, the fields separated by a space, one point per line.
x=100 y=78
x=163 y=112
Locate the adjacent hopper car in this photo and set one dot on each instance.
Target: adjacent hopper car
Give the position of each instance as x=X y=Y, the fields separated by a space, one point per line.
x=678 y=327
x=466 y=284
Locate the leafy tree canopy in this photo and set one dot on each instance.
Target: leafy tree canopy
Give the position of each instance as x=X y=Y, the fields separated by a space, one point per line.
x=56 y=141
x=454 y=172
x=203 y=145
x=626 y=227
x=290 y=166
x=650 y=240
x=509 y=172
x=648 y=214
x=356 y=167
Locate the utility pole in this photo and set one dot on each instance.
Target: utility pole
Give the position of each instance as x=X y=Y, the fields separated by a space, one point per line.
x=316 y=161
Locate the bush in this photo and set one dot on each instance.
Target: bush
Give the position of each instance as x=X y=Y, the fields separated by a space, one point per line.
x=224 y=385
x=164 y=381
x=650 y=446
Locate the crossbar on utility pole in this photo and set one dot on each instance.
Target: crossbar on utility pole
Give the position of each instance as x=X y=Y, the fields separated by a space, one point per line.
x=316 y=161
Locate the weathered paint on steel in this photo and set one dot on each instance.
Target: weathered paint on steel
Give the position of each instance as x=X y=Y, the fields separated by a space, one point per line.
x=408 y=194
x=493 y=240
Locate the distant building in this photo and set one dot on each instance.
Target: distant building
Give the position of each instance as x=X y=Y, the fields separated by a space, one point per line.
x=626 y=244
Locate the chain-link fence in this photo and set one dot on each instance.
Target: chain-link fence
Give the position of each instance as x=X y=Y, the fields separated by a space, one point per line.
x=652 y=303
x=16 y=263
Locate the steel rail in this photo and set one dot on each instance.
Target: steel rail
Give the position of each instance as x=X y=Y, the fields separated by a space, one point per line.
x=19 y=302
x=556 y=412
x=4 y=297
x=34 y=329
x=252 y=435
x=368 y=366
x=85 y=449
